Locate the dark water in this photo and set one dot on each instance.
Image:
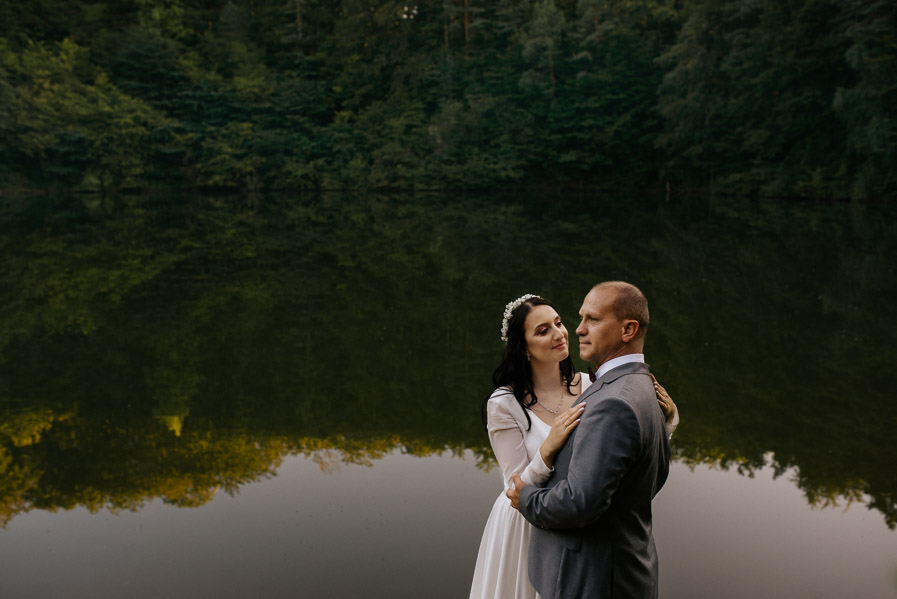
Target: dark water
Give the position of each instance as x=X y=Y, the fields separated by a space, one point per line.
x=305 y=373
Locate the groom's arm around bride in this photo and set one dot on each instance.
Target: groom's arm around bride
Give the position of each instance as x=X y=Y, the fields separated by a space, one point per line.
x=593 y=520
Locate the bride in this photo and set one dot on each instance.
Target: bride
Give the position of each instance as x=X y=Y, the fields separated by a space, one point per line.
x=526 y=418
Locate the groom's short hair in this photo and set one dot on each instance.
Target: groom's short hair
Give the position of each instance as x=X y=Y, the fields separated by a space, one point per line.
x=630 y=304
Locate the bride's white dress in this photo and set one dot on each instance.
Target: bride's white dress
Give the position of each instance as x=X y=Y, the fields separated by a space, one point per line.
x=501 y=571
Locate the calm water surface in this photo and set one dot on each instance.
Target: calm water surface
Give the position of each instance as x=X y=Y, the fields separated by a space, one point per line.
x=279 y=395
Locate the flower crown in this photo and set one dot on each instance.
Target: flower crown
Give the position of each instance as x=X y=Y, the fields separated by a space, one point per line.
x=509 y=309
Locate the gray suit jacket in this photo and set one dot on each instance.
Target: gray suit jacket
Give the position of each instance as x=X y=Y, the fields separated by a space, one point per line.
x=593 y=534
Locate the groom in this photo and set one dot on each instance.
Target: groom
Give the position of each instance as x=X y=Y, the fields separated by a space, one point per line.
x=593 y=519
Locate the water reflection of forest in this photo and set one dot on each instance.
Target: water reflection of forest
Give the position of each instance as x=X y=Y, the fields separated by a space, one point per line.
x=171 y=347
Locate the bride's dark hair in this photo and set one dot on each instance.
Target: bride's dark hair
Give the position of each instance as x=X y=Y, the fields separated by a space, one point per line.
x=514 y=369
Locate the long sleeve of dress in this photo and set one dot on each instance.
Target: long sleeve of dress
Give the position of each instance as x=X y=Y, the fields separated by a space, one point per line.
x=507 y=436
x=671 y=426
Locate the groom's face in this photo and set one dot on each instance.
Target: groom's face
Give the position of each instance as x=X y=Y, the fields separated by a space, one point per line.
x=600 y=332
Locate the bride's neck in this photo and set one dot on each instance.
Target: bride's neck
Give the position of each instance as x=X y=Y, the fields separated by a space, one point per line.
x=546 y=376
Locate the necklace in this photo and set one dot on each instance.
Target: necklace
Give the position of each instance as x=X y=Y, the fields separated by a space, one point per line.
x=557 y=409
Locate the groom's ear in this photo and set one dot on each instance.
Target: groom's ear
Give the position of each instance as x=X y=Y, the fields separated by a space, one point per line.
x=630 y=330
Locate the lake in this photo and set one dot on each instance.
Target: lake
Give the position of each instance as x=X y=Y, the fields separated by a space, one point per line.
x=279 y=394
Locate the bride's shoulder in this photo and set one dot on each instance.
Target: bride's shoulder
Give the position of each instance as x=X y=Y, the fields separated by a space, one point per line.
x=503 y=406
x=502 y=394
x=503 y=399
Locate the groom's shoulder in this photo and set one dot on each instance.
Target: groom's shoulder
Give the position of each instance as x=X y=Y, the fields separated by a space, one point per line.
x=628 y=378
x=634 y=388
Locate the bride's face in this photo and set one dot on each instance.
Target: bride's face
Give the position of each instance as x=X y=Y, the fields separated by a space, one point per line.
x=546 y=336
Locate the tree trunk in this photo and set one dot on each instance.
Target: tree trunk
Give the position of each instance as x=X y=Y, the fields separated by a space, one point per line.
x=551 y=69
x=466 y=29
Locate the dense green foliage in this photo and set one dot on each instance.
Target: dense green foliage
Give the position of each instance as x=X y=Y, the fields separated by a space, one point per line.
x=782 y=98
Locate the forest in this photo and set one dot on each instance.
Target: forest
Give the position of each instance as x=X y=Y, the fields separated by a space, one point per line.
x=786 y=99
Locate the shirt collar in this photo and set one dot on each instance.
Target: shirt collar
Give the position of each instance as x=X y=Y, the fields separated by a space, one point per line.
x=619 y=361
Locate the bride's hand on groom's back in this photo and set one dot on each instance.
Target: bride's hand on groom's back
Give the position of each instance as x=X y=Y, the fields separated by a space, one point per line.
x=665 y=401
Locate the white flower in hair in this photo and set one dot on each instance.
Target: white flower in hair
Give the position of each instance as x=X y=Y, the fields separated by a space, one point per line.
x=509 y=309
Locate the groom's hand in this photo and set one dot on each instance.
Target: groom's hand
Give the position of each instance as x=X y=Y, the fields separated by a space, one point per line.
x=514 y=494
